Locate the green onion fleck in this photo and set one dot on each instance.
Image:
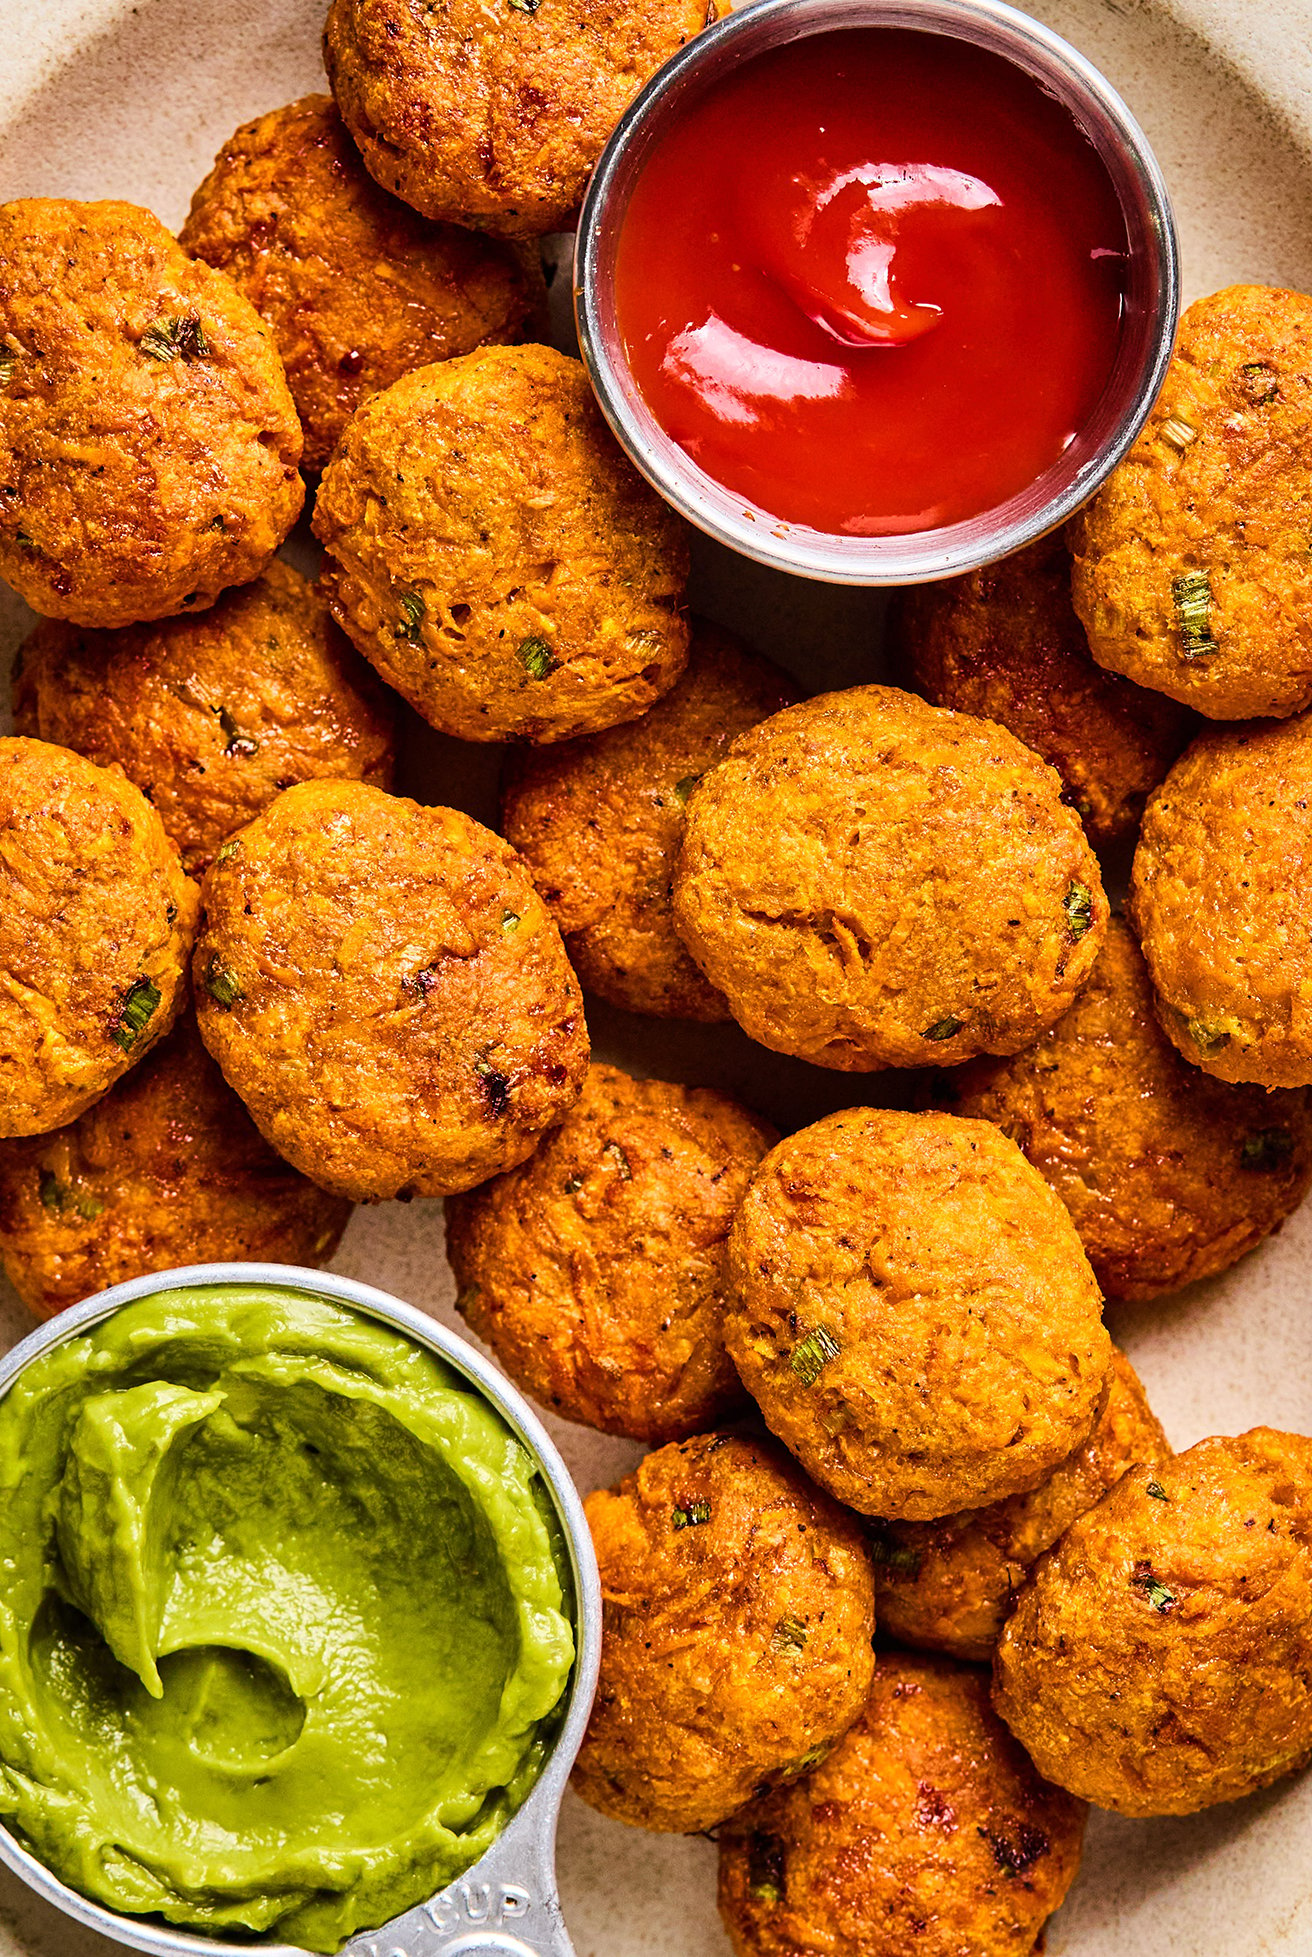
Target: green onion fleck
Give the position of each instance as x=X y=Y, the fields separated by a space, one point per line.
x=509 y=923
x=622 y=1162
x=573 y=1184
x=8 y=362
x=790 y=1634
x=1178 y=432
x=411 y=622
x=944 y=1029
x=526 y=6
x=890 y=1554
x=810 y=1358
x=693 y=1516
x=1078 y=906
x=683 y=789
x=228 y=850
x=139 y=1003
x=1158 y=1493
x=765 y=1868
x=1207 y=1038
x=1267 y=1149
x=223 y=985
x=1191 y=595
x=23 y=541
x=1156 y=1592
x=535 y=655
x=59 y=1200
x=179 y=338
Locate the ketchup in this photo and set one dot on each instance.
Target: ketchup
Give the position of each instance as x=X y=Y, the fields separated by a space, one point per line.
x=872 y=282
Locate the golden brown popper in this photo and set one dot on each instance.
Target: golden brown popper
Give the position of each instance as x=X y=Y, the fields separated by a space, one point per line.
x=495 y=554
x=595 y=1270
x=874 y=882
x=1221 y=894
x=948 y=1585
x=167 y=1169
x=1004 y=643
x=912 y=1311
x=495 y=120
x=599 y=822
x=1159 y=1659
x=356 y=288
x=96 y=926
x=926 y=1830
x=738 y=1611
x=1191 y=565
x=1168 y=1174
x=213 y=716
x=383 y=987
x=148 y=441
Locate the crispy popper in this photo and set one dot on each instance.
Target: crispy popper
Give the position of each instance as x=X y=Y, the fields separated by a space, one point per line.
x=599 y=822
x=912 y=1311
x=948 y=1585
x=926 y=1830
x=1220 y=898
x=96 y=926
x=1191 y=565
x=356 y=287
x=1159 y=1659
x=382 y=986
x=874 y=882
x=595 y=1270
x=1168 y=1174
x=148 y=441
x=167 y=1169
x=497 y=557
x=1004 y=643
x=738 y=1609
x=213 y=716
x=495 y=120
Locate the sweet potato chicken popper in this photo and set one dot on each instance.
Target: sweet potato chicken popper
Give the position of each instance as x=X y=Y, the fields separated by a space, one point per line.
x=497 y=557
x=874 y=882
x=96 y=926
x=1005 y=643
x=382 y=986
x=149 y=447
x=739 y=1610
x=1191 y=568
x=495 y=120
x=213 y=716
x=166 y=1169
x=596 y=1269
x=926 y=1829
x=599 y=822
x=355 y=287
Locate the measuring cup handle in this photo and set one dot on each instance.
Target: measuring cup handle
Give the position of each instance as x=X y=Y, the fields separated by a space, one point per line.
x=507 y=1906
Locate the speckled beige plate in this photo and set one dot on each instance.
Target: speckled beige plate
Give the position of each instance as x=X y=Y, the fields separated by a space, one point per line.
x=105 y=98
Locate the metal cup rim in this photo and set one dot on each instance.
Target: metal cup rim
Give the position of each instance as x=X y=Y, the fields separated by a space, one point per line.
x=537 y=1815
x=918 y=557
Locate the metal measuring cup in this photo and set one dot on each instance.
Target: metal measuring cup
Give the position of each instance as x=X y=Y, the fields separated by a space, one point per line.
x=507 y=1904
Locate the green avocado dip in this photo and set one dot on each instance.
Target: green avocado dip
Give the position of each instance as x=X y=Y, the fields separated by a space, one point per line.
x=282 y=1626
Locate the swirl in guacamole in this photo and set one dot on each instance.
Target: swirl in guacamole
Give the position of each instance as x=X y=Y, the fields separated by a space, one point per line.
x=282 y=1628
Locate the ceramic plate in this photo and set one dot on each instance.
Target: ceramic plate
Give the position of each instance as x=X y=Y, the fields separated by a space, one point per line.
x=104 y=98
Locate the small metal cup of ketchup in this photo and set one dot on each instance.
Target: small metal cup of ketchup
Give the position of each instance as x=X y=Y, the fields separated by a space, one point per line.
x=877 y=291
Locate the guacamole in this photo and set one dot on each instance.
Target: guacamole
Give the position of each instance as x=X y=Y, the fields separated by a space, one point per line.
x=281 y=1615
